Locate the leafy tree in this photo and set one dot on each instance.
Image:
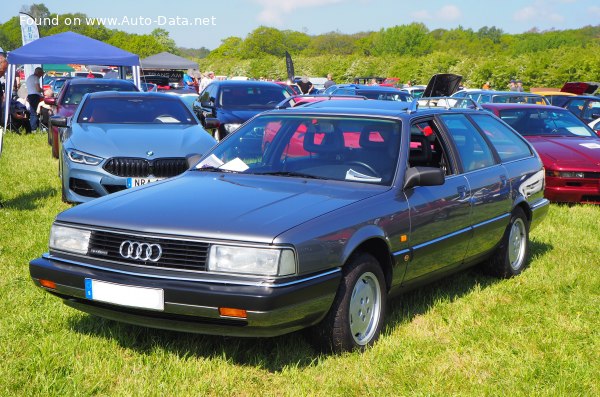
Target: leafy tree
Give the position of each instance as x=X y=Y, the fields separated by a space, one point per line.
x=263 y=40
x=36 y=10
x=229 y=48
x=410 y=39
x=331 y=43
x=162 y=37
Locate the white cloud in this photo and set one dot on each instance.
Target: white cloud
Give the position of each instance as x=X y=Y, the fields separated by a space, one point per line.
x=594 y=11
x=446 y=13
x=540 y=11
x=274 y=11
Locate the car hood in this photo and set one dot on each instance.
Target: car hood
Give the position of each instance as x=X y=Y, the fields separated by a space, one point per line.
x=444 y=84
x=137 y=140
x=568 y=152
x=220 y=206
x=580 y=88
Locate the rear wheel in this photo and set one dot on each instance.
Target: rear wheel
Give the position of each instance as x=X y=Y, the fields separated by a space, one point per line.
x=356 y=316
x=510 y=258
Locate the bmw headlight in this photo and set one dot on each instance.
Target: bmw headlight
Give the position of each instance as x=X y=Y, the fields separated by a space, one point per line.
x=254 y=261
x=231 y=127
x=83 y=158
x=70 y=239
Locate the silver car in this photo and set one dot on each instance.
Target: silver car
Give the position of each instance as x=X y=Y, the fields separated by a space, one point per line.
x=120 y=140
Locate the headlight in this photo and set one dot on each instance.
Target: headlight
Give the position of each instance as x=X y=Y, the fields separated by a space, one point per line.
x=69 y=239
x=566 y=174
x=231 y=127
x=255 y=261
x=83 y=158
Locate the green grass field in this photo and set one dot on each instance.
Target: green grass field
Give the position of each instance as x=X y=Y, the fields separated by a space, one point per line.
x=534 y=335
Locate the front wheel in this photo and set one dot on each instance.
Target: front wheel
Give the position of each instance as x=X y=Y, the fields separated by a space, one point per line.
x=510 y=258
x=356 y=316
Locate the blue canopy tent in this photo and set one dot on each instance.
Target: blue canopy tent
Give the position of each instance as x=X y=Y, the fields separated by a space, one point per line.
x=67 y=48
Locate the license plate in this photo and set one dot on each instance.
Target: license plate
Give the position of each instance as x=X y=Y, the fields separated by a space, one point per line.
x=125 y=295
x=135 y=182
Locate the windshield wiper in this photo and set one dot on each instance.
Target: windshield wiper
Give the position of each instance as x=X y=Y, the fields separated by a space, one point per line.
x=291 y=174
x=210 y=168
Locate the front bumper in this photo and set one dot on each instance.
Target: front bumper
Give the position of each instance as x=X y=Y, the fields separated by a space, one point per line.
x=193 y=305
x=572 y=190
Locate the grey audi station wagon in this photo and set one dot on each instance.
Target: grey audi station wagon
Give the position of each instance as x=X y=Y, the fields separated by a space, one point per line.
x=305 y=217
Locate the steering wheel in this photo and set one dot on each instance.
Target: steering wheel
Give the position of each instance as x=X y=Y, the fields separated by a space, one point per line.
x=366 y=166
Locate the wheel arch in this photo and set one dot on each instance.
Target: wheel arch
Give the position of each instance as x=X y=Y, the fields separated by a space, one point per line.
x=372 y=240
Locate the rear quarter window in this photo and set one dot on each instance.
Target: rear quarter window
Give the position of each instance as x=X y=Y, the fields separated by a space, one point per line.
x=509 y=145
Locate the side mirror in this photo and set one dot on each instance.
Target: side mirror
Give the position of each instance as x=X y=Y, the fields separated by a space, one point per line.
x=58 y=121
x=208 y=104
x=423 y=176
x=211 y=123
x=50 y=101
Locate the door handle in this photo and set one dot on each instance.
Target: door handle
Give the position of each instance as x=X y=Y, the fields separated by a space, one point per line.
x=462 y=192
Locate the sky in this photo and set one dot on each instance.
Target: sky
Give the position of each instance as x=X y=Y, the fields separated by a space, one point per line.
x=200 y=23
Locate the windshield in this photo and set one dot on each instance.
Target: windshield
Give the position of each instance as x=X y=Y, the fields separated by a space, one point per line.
x=265 y=97
x=75 y=92
x=135 y=110
x=532 y=99
x=545 y=122
x=356 y=149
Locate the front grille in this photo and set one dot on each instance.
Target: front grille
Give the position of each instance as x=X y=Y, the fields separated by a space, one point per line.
x=141 y=168
x=82 y=188
x=176 y=254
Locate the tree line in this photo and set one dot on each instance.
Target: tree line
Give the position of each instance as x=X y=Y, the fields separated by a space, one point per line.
x=410 y=52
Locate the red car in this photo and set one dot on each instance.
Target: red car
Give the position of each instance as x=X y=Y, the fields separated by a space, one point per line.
x=71 y=94
x=568 y=147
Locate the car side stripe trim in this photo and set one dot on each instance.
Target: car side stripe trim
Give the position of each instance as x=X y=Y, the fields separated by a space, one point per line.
x=541 y=203
x=491 y=220
x=442 y=238
x=198 y=280
x=402 y=252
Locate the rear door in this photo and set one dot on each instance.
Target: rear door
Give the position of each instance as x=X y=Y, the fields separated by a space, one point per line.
x=487 y=178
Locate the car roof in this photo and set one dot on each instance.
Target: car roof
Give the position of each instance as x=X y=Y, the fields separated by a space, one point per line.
x=502 y=106
x=98 y=81
x=130 y=94
x=370 y=107
x=255 y=83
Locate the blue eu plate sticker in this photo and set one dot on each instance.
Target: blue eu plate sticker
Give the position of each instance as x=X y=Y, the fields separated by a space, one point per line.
x=88 y=288
x=129 y=183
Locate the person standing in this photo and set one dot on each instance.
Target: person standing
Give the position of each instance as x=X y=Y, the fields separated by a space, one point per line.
x=206 y=80
x=305 y=85
x=3 y=67
x=512 y=86
x=519 y=86
x=34 y=95
x=329 y=81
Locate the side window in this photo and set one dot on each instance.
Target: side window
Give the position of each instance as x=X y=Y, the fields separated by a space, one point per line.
x=473 y=149
x=576 y=106
x=427 y=147
x=508 y=144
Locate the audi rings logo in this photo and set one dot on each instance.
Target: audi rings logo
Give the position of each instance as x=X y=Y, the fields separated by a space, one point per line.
x=140 y=251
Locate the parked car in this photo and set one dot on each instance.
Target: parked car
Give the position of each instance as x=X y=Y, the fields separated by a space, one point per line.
x=225 y=105
x=119 y=140
x=368 y=91
x=71 y=95
x=57 y=84
x=253 y=242
x=569 y=149
x=489 y=96
x=415 y=91
x=587 y=108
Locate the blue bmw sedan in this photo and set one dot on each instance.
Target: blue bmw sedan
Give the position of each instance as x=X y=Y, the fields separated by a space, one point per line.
x=118 y=140
x=312 y=216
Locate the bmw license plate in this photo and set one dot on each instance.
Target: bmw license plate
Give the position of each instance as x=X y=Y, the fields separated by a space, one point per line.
x=134 y=182
x=125 y=295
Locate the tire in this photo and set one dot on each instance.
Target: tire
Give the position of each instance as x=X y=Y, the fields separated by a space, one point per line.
x=510 y=258
x=356 y=315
